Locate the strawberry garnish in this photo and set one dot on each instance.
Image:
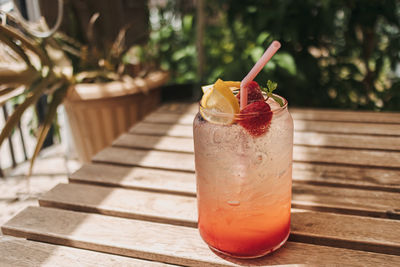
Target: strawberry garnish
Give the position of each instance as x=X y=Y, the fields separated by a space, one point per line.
x=253 y=92
x=256 y=118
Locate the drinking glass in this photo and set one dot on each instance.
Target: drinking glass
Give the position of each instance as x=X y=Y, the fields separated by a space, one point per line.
x=244 y=182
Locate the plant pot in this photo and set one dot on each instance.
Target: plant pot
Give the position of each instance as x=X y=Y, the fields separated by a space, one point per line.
x=98 y=113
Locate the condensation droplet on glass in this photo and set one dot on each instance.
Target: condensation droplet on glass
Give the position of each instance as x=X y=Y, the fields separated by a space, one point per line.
x=259 y=158
x=234 y=202
x=218 y=136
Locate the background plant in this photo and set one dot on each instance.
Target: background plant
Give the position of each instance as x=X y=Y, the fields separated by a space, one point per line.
x=52 y=65
x=335 y=53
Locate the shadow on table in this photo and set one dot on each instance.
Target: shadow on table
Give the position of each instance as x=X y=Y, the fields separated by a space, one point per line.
x=177 y=111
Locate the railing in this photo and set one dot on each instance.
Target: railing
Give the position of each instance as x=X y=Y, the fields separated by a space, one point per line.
x=17 y=141
x=10 y=141
x=6 y=110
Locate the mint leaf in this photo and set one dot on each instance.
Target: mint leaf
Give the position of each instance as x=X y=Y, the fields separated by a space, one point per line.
x=271 y=85
x=277 y=99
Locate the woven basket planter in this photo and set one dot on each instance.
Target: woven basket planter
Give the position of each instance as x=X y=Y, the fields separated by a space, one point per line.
x=98 y=113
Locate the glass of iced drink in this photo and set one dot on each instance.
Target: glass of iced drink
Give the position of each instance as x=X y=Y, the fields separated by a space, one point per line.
x=243 y=163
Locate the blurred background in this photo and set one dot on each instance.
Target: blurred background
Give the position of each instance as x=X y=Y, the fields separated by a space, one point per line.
x=335 y=53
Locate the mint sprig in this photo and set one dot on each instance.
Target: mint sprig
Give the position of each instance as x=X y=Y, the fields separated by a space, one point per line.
x=271 y=86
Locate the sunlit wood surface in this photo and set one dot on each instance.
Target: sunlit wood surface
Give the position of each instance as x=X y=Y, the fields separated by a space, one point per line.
x=138 y=199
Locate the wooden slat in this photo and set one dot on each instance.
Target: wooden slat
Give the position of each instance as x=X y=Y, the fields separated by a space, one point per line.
x=335 y=229
x=345 y=200
x=136 y=177
x=146 y=158
x=175 y=130
x=185 y=162
x=185 y=144
x=345 y=115
x=347 y=127
x=306 y=114
x=179 y=107
x=170 y=118
x=364 y=158
x=299 y=125
x=300 y=138
x=362 y=233
x=24 y=253
x=134 y=204
x=347 y=141
x=166 y=143
x=300 y=153
x=166 y=243
x=184 y=183
x=180 y=210
x=348 y=176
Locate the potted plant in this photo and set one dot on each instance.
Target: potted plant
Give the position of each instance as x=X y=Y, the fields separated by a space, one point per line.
x=101 y=99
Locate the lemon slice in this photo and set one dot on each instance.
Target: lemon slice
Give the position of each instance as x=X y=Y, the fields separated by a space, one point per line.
x=206 y=88
x=219 y=99
x=232 y=85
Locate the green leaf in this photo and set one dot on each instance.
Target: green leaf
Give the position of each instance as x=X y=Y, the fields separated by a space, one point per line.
x=256 y=53
x=58 y=97
x=277 y=99
x=262 y=37
x=178 y=55
x=286 y=61
x=270 y=67
x=187 y=23
x=271 y=85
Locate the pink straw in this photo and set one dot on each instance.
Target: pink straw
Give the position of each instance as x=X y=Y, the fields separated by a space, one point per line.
x=255 y=70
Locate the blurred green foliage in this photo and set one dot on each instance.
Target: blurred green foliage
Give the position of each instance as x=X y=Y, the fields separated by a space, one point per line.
x=171 y=44
x=335 y=53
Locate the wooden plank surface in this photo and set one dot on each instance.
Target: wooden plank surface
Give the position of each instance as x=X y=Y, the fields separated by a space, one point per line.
x=345 y=200
x=300 y=138
x=391 y=129
x=347 y=176
x=163 y=242
x=182 y=182
x=175 y=130
x=347 y=156
x=146 y=158
x=181 y=210
x=17 y=252
x=166 y=143
x=387 y=158
x=344 y=210
x=347 y=141
x=134 y=204
x=305 y=113
x=339 y=199
x=342 y=115
x=176 y=182
x=168 y=158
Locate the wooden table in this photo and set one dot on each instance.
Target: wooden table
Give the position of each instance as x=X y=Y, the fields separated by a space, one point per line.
x=137 y=199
